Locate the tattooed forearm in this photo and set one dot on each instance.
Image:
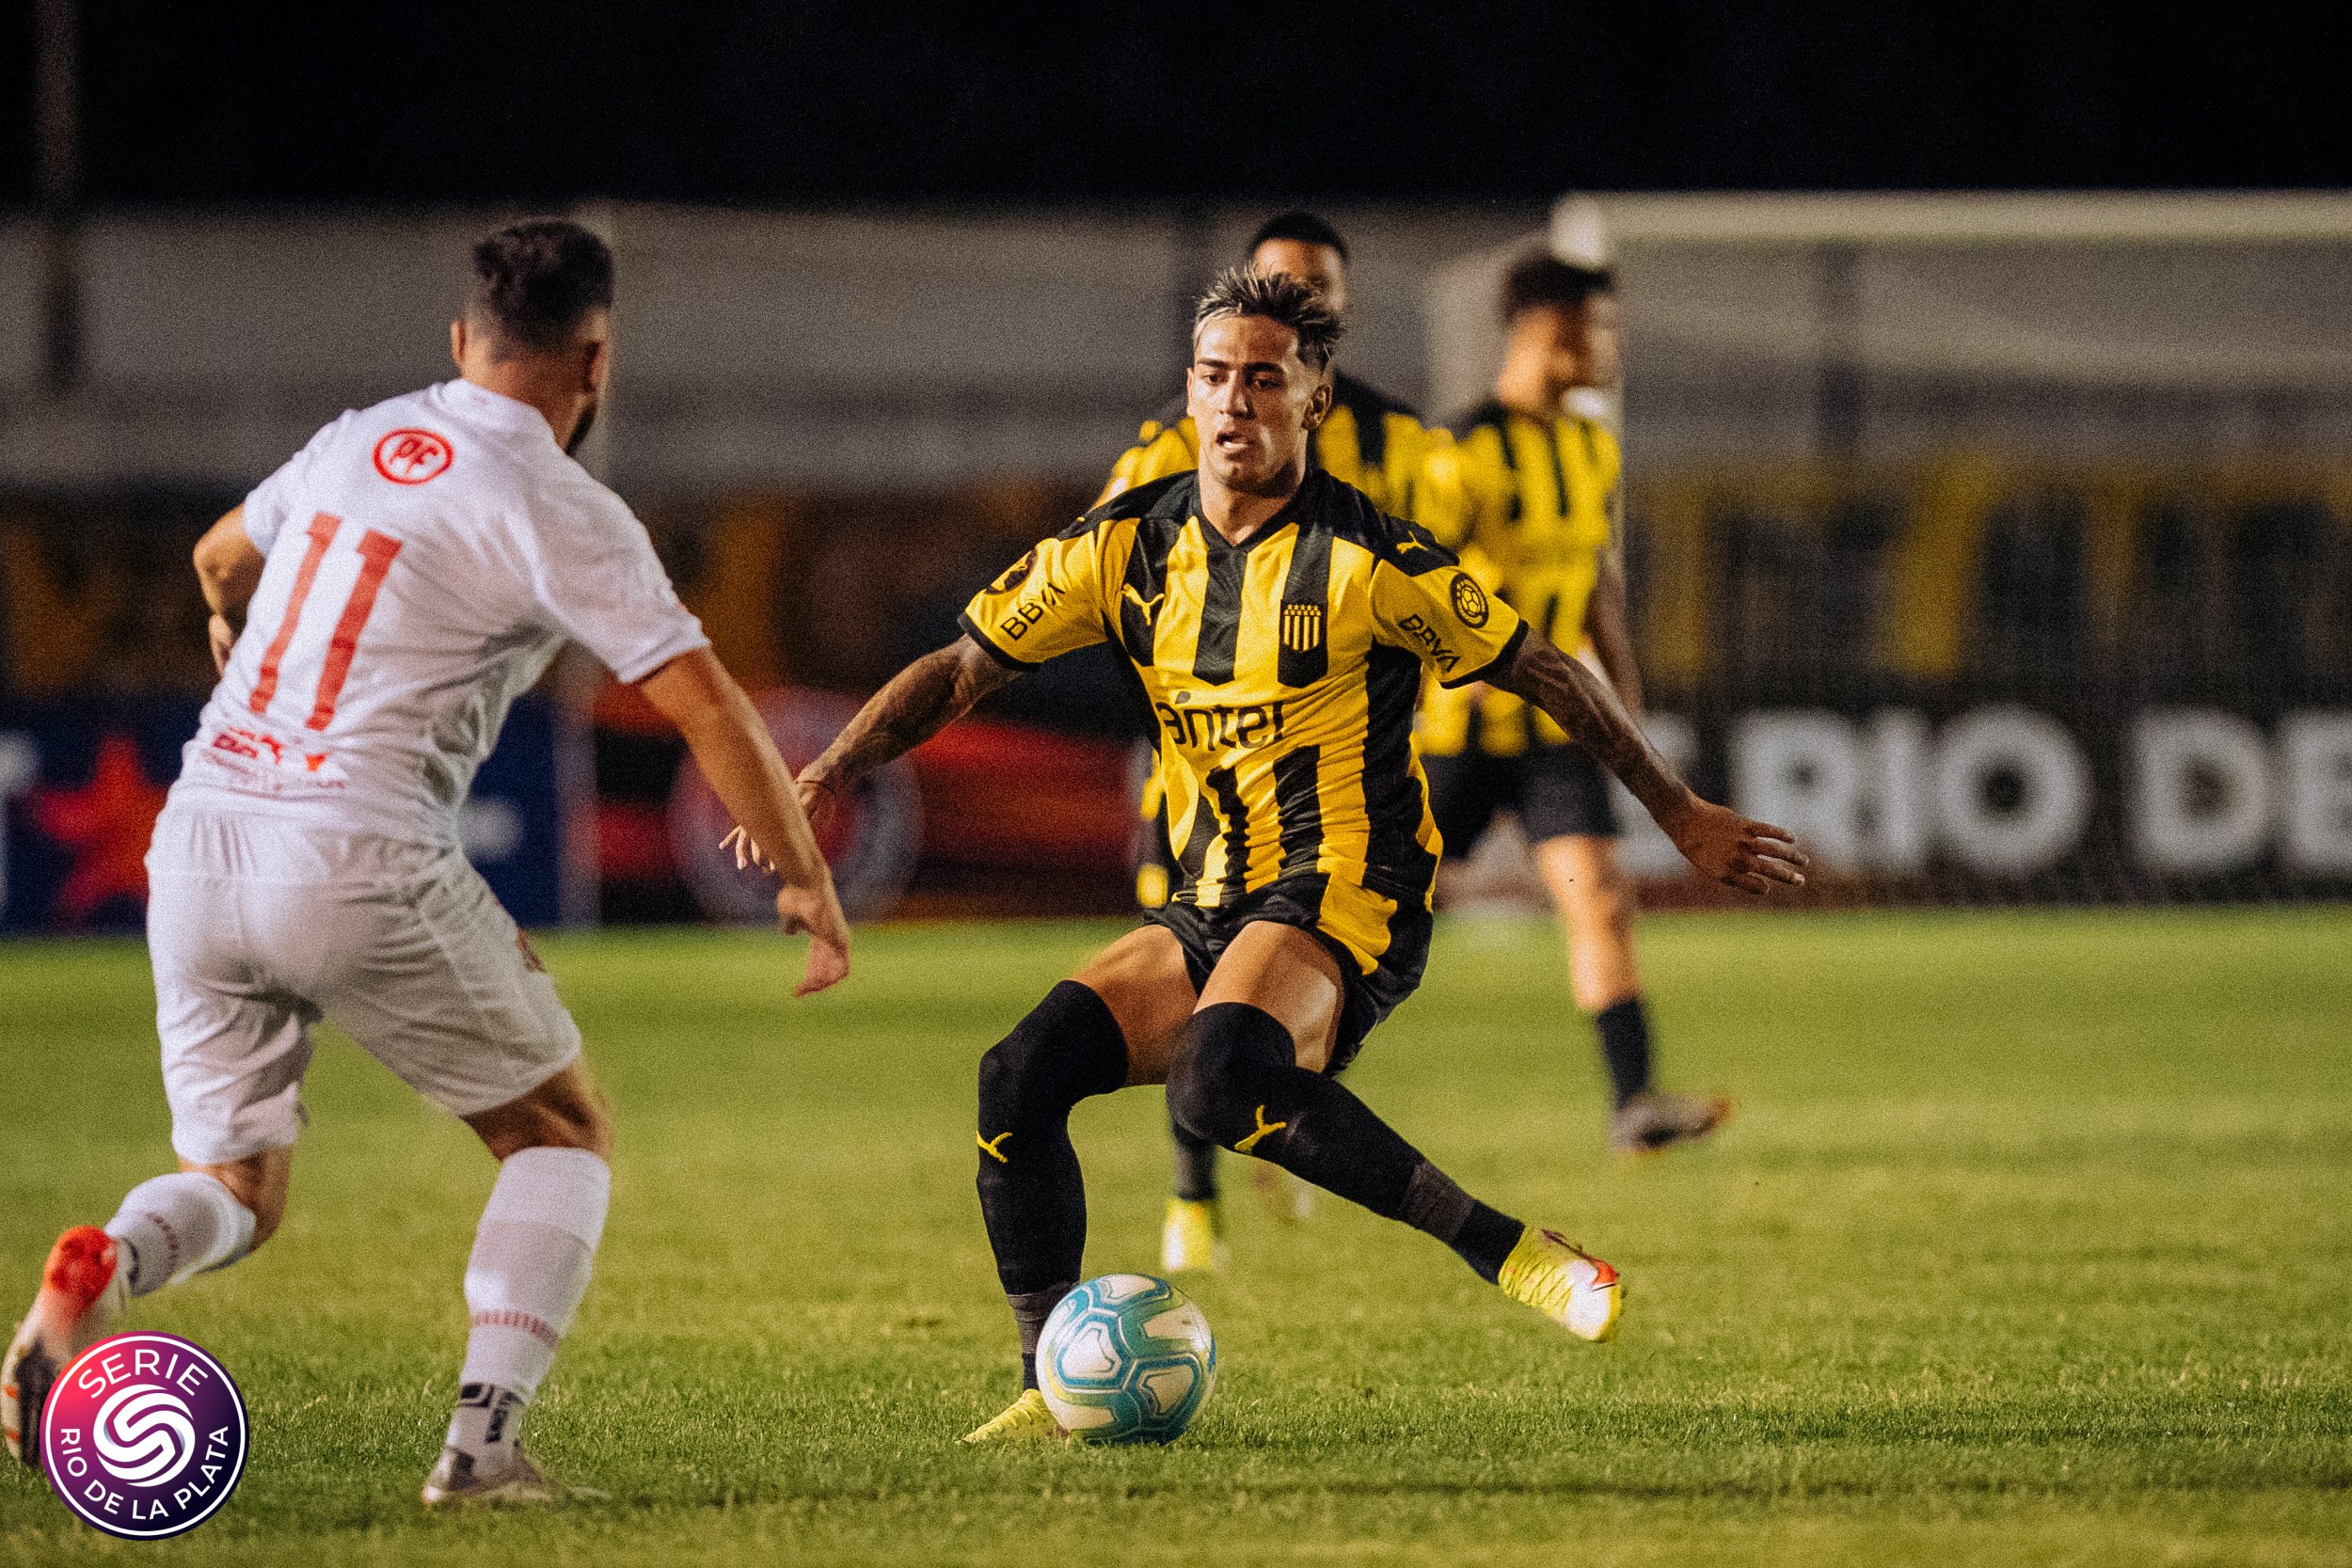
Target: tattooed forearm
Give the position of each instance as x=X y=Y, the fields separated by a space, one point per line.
x=1584 y=707
x=920 y=701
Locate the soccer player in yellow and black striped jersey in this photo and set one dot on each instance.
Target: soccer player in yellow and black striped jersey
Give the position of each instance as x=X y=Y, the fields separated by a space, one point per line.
x=1529 y=495
x=1369 y=440
x=1280 y=624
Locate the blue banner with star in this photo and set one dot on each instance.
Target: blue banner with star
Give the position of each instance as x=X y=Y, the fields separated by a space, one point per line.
x=82 y=779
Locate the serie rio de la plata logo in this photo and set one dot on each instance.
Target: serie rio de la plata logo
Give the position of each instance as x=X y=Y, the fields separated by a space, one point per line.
x=144 y=1435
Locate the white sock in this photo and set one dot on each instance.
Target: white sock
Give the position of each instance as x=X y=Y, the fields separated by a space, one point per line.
x=530 y=1268
x=174 y=1226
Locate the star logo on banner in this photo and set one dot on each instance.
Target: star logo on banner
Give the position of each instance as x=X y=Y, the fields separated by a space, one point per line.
x=104 y=825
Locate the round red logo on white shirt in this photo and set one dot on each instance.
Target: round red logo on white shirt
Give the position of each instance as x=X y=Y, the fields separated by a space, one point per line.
x=412 y=457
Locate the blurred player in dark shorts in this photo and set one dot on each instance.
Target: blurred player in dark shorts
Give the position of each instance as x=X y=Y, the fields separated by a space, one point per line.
x=1529 y=493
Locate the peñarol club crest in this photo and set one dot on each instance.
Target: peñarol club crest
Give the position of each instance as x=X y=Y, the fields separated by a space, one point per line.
x=144 y=1435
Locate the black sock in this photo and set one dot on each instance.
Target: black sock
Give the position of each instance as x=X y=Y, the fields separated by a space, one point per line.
x=1032 y=1195
x=1029 y=1311
x=1196 y=1163
x=1234 y=1080
x=1624 y=1047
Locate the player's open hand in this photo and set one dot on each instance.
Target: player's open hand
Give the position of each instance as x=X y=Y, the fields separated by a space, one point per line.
x=1750 y=856
x=747 y=851
x=815 y=913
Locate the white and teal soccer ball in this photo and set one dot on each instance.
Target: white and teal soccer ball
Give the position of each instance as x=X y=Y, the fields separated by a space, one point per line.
x=1127 y=1359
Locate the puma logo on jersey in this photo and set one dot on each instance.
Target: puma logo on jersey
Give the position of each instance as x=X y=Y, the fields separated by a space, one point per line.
x=1264 y=1127
x=1150 y=607
x=990 y=1147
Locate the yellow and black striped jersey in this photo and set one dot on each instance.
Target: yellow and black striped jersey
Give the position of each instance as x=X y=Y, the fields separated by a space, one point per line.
x=1284 y=672
x=1371 y=442
x=1531 y=505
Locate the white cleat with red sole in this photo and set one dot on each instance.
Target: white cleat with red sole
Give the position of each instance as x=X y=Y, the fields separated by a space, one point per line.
x=83 y=1291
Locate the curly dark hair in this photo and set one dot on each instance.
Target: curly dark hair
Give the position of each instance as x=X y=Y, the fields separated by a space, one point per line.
x=1277 y=297
x=535 y=281
x=1300 y=226
x=1543 y=279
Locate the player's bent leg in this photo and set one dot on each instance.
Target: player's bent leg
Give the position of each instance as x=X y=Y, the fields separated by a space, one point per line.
x=568 y=1111
x=1596 y=901
x=529 y=1271
x=1597 y=904
x=235 y=1041
x=1032 y=1193
x=1107 y=1028
x=168 y=1228
x=1247 y=1076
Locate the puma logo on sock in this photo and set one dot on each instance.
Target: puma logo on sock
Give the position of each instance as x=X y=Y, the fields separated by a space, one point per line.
x=1264 y=1127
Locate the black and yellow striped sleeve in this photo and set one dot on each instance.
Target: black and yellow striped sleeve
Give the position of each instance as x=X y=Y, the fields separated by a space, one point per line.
x=1048 y=602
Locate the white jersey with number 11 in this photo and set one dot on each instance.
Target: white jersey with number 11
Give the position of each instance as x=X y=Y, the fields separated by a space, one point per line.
x=426 y=558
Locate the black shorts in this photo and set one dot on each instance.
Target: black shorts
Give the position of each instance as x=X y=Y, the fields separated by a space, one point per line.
x=1557 y=792
x=1382 y=944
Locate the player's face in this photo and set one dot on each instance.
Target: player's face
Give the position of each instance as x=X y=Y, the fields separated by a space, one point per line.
x=1253 y=402
x=1581 y=346
x=1318 y=266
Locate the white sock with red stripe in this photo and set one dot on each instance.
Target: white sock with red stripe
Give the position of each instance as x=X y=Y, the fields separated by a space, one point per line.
x=529 y=1270
x=171 y=1227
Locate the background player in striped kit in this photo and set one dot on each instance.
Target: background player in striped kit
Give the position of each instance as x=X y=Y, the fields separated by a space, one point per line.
x=1529 y=493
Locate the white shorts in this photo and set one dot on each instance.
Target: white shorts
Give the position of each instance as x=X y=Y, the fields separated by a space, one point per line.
x=257 y=928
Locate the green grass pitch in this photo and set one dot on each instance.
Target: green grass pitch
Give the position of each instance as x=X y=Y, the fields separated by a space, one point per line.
x=2032 y=1243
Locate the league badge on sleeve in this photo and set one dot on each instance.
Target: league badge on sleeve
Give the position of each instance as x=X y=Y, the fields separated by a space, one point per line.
x=1470 y=600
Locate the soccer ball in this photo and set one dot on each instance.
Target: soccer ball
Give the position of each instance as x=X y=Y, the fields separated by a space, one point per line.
x=1127 y=1359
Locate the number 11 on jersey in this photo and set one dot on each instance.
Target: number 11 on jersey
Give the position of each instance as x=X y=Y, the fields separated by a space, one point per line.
x=376 y=551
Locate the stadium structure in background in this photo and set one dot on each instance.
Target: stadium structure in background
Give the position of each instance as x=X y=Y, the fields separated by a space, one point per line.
x=2029 y=571
x=2002 y=545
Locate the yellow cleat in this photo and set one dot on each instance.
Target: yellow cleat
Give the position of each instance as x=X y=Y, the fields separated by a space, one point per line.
x=1563 y=1282
x=1192 y=1238
x=1025 y=1418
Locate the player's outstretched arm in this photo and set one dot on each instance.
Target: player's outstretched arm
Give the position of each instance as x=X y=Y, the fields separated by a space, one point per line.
x=920 y=701
x=1750 y=856
x=732 y=748
x=228 y=570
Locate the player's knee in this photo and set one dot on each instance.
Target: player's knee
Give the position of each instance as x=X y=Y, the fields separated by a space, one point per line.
x=1068 y=1047
x=1231 y=1057
x=569 y=1111
x=589 y=1125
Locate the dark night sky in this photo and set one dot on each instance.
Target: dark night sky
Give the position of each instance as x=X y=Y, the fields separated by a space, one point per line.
x=850 y=100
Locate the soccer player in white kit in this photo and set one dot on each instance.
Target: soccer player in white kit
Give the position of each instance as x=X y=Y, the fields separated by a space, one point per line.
x=378 y=602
